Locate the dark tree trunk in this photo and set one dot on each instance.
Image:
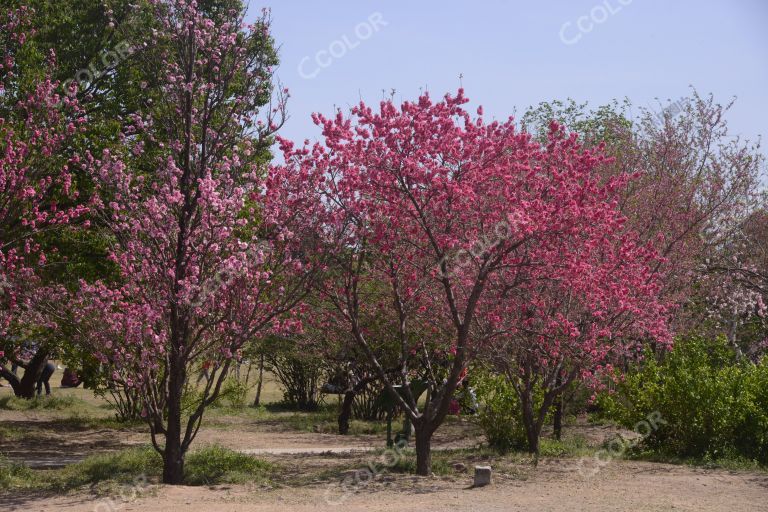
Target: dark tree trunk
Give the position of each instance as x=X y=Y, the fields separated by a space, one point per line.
x=173 y=458
x=533 y=435
x=12 y=379
x=32 y=373
x=257 y=400
x=173 y=463
x=532 y=428
x=346 y=411
x=558 y=420
x=24 y=387
x=423 y=451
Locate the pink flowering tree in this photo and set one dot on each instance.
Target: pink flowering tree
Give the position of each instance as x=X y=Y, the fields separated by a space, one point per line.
x=36 y=196
x=211 y=244
x=694 y=184
x=737 y=281
x=585 y=299
x=439 y=207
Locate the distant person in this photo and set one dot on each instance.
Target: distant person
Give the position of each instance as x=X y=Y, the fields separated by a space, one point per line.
x=206 y=366
x=70 y=379
x=45 y=376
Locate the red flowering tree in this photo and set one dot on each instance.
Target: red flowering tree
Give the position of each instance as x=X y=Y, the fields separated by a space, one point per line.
x=694 y=185
x=210 y=243
x=36 y=194
x=587 y=297
x=440 y=207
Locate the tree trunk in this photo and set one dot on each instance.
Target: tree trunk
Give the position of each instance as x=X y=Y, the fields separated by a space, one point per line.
x=24 y=387
x=558 y=420
x=173 y=458
x=173 y=461
x=12 y=379
x=533 y=435
x=423 y=451
x=532 y=430
x=32 y=373
x=346 y=411
x=261 y=379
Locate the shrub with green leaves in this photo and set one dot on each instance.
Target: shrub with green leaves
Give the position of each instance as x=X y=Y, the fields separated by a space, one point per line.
x=500 y=414
x=13 y=474
x=712 y=405
x=216 y=464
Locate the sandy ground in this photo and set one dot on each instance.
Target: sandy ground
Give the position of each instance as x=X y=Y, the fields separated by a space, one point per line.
x=620 y=486
x=555 y=485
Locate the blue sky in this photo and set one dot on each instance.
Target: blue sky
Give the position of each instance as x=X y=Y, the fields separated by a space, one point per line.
x=513 y=54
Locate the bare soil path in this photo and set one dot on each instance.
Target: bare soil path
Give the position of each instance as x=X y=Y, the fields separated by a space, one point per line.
x=621 y=486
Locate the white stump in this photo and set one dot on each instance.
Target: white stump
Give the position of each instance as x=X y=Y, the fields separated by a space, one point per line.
x=482 y=476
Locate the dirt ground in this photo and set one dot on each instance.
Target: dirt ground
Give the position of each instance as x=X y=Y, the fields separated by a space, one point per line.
x=315 y=473
x=621 y=486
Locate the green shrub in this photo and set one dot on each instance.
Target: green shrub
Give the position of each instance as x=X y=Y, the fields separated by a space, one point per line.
x=122 y=467
x=206 y=466
x=233 y=394
x=711 y=405
x=13 y=474
x=216 y=464
x=499 y=415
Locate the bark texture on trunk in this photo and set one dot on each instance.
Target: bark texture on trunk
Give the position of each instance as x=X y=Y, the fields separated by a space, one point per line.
x=423 y=451
x=558 y=419
x=346 y=412
x=173 y=458
x=257 y=400
x=24 y=387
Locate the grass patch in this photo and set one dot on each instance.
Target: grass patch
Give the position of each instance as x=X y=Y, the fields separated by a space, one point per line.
x=574 y=446
x=78 y=421
x=54 y=403
x=9 y=433
x=120 y=467
x=730 y=463
x=323 y=421
x=406 y=463
x=216 y=465
x=207 y=466
x=14 y=475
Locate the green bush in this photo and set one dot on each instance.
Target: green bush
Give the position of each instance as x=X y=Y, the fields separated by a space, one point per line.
x=500 y=414
x=13 y=474
x=711 y=405
x=122 y=467
x=216 y=464
x=233 y=394
x=205 y=466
